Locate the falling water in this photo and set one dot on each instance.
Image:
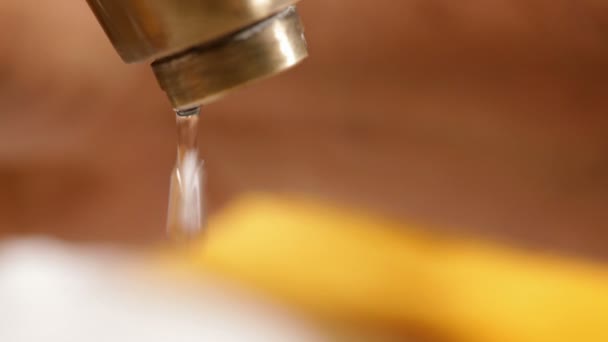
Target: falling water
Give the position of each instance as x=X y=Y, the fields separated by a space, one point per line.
x=186 y=216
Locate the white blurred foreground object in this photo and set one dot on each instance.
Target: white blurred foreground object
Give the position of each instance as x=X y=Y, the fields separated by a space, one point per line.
x=55 y=293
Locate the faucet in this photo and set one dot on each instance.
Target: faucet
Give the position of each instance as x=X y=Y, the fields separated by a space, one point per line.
x=200 y=50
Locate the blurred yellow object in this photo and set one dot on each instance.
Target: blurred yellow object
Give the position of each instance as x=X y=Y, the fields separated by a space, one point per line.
x=347 y=267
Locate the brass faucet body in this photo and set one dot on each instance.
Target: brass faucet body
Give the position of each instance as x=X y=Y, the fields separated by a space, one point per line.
x=202 y=49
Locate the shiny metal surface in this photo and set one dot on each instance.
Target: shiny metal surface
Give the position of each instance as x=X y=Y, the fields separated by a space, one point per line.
x=151 y=29
x=207 y=72
x=203 y=48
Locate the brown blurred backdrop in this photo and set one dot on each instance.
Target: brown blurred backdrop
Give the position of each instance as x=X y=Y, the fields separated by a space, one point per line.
x=486 y=118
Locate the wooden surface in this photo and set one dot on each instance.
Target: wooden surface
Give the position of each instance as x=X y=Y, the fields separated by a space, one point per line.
x=485 y=118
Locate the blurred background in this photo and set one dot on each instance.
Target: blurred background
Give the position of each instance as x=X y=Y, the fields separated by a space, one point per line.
x=486 y=118
x=476 y=120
